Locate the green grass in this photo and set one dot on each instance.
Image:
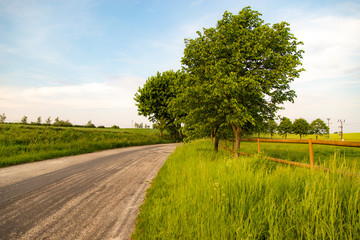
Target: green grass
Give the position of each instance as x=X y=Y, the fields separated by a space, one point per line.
x=27 y=143
x=202 y=195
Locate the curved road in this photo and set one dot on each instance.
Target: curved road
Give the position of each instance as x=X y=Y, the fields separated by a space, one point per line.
x=89 y=196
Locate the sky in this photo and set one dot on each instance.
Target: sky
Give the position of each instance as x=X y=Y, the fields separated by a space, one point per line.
x=84 y=60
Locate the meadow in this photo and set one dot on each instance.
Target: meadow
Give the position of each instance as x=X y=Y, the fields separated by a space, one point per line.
x=28 y=143
x=199 y=194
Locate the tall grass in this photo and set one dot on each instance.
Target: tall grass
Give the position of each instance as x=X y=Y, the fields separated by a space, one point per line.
x=201 y=195
x=26 y=143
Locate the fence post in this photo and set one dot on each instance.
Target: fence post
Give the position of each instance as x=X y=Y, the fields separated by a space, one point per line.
x=258 y=141
x=311 y=153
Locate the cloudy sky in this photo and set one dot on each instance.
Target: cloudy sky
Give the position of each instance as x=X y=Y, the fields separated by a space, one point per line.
x=84 y=60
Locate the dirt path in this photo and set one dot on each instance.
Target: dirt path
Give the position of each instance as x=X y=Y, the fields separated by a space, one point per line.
x=90 y=196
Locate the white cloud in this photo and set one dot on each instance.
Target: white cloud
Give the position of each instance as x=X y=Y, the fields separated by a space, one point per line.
x=331 y=45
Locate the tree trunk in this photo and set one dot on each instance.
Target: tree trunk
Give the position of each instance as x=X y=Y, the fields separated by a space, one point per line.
x=216 y=140
x=237 y=133
x=161 y=134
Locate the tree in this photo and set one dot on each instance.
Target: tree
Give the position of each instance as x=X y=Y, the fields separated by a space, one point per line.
x=90 y=124
x=38 y=120
x=2 y=118
x=271 y=127
x=62 y=123
x=301 y=127
x=24 y=120
x=239 y=72
x=284 y=127
x=318 y=127
x=153 y=101
x=48 y=121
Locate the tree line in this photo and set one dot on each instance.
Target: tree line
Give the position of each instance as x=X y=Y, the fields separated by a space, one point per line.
x=234 y=78
x=299 y=127
x=57 y=122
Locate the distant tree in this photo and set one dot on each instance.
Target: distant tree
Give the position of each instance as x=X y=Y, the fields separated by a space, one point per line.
x=318 y=127
x=271 y=127
x=284 y=127
x=2 y=118
x=301 y=127
x=90 y=124
x=38 y=120
x=115 y=127
x=24 y=120
x=62 y=123
x=101 y=126
x=48 y=121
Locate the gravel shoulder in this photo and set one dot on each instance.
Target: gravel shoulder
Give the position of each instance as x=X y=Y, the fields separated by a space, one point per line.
x=89 y=196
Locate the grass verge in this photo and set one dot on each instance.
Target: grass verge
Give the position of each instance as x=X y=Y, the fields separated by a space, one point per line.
x=26 y=143
x=201 y=195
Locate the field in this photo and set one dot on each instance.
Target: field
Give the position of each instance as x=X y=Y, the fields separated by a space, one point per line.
x=28 y=143
x=202 y=195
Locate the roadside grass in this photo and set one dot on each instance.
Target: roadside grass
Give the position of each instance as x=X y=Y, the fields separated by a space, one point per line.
x=27 y=143
x=198 y=194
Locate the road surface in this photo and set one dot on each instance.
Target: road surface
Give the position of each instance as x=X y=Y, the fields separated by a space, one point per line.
x=89 y=196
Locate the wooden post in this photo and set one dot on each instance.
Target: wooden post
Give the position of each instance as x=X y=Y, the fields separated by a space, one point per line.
x=258 y=141
x=311 y=153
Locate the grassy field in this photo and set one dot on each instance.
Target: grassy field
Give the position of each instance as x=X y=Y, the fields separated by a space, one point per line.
x=28 y=143
x=202 y=195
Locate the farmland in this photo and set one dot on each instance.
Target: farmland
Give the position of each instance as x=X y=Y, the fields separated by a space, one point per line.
x=199 y=194
x=27 y=143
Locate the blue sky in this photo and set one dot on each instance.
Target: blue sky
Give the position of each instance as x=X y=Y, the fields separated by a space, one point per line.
x=84 y=60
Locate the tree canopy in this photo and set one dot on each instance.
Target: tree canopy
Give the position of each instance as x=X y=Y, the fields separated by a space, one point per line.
x=301 y=127
x=239 y=72
x=318 y=127
x=154 y=98
x=284 y=127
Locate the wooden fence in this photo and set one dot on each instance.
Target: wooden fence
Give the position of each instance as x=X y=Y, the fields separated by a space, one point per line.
x=309 y=141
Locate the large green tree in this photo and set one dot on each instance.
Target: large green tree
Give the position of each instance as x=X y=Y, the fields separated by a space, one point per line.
x=154 y=98
x=239 y=72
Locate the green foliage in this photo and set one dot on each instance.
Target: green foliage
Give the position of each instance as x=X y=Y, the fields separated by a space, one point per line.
x=90 y=124
x=318 y=127
x=201 y=195
x=29 y=143
x=62 y=123
x=154 y=98
x=238 y=73
x=2 y=118
x=300 y=127
x=284 y=127
x=24 y=120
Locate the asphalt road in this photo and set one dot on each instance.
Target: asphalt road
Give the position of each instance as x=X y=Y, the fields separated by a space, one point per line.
x=89 y=196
